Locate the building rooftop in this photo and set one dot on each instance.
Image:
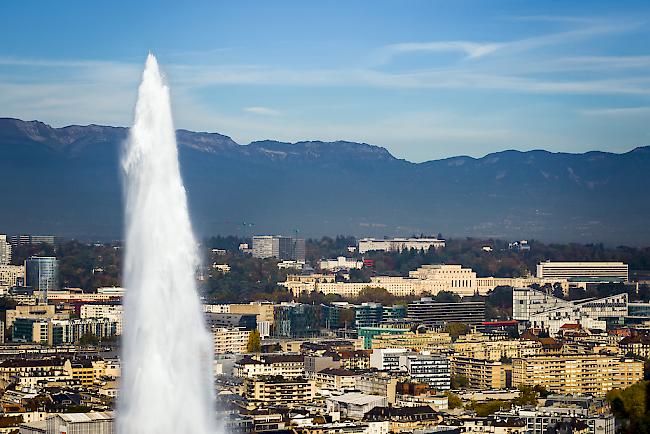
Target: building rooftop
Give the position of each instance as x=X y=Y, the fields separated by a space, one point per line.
x=86 y=417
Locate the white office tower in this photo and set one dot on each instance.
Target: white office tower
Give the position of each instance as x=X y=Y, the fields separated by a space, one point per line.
x=5 y=250
x=584 y=271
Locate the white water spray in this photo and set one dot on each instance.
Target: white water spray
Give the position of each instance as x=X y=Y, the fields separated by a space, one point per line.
x=167 y=383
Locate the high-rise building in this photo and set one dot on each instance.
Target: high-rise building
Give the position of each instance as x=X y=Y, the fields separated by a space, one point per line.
x=42 y=274
x=5 y=250
x=276 y=246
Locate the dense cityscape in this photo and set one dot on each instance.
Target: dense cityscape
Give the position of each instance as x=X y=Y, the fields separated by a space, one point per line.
x=348 y=335
x=325 y=217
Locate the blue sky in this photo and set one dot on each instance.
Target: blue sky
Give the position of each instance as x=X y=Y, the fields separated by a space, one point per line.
x=425 y=79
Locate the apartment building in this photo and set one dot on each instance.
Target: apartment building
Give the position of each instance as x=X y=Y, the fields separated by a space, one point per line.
x=112 y=311
x=279 y=390
x=11 y=275
x=481 y=373
x=590 y=374
x=496 y=350
x=335 y=379
x=637 y=344
x=270 y=365
x=378 y=383
x=230 y=340
x=51 y=366
x=428 y=341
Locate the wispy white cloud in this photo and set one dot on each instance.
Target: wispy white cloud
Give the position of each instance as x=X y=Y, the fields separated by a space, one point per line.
x=259 y=110
x=555 y=19
x=470 y=49
x=617 y=111
x=475 y=49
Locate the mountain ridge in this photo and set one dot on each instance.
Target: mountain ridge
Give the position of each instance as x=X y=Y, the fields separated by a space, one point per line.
x=319 y=188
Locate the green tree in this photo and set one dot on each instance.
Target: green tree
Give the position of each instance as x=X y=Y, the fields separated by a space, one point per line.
x=88 y=340
x=456 y=329
x=527 y=395
x=487 y=408
x=459 y=382
x=447 y=297
x=254 y=344
x=376 y=295
x=630 y=407
x=454 y=401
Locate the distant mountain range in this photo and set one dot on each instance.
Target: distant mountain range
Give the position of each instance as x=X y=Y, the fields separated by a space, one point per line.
x=66 y=181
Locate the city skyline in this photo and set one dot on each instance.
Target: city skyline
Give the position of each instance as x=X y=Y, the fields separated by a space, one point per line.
x=436 y=83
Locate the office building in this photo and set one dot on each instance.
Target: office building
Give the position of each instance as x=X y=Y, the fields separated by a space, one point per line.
x=368 y=314
x=5 y=251
x=584 y=271
x=37 y=312
x=365 y=245
x=279 y=247
x=537 y=309
x=21 y=240
x=432 y=369
x=354 y=405
x=430 y=312
x=81 y=423
x=112 y=311
x=246 y=321
x=56 y=332
x=340 y=263
x=590 y=374
x=443 y=277
x=430 y=279
x=367 y=334
x=386 y=359
x=547 y=418
x=296 y=320
x=42 y=274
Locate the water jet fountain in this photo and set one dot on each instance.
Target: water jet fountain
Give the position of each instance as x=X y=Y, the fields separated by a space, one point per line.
x=167 y=383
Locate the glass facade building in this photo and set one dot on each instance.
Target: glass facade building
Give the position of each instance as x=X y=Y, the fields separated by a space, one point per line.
x=42 y=274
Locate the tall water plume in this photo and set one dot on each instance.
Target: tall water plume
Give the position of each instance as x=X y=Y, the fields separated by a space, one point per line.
x=166 y=383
